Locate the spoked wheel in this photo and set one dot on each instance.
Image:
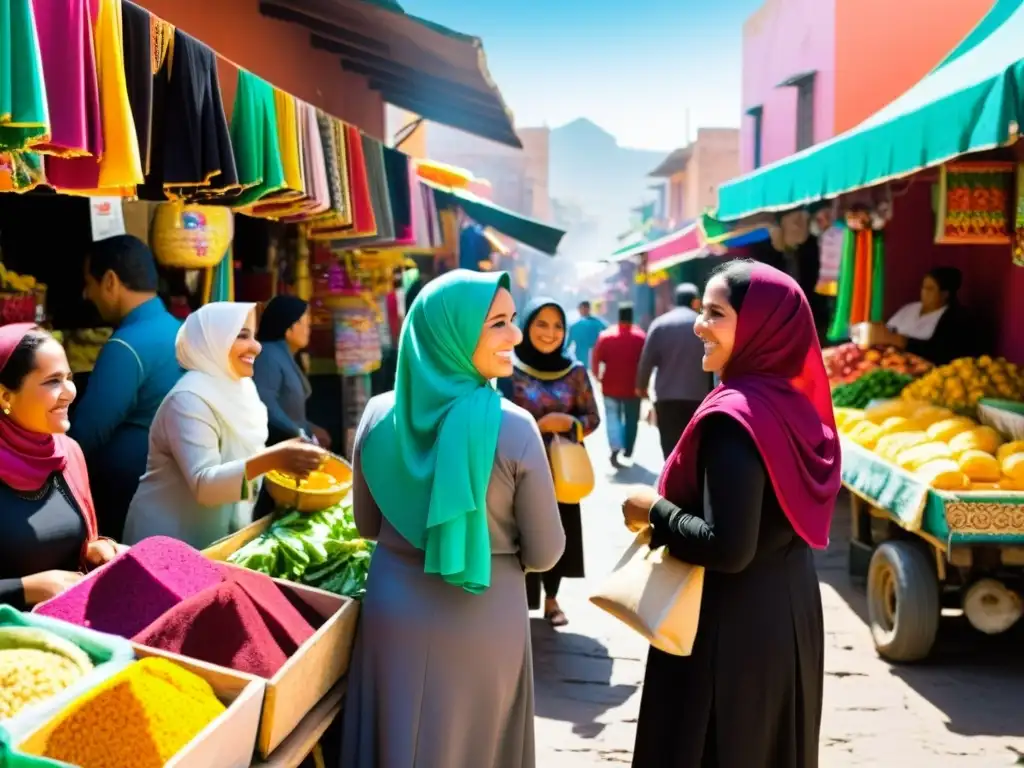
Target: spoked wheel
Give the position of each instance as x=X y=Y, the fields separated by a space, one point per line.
x=903 y=601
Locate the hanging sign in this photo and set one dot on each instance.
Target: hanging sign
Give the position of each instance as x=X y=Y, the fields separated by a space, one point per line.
x=974 y=204
x=106 y=217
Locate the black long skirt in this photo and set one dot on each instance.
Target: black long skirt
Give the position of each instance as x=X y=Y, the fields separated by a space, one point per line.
x=750 y=696
x=570 y=565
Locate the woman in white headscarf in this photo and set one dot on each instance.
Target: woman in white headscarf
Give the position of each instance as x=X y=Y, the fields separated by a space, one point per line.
x=207 y=444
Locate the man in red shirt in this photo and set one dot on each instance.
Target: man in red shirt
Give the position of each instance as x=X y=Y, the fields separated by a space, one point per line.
x=615 y=361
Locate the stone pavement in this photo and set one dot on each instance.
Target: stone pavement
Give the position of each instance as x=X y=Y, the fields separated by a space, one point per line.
x=965 y=707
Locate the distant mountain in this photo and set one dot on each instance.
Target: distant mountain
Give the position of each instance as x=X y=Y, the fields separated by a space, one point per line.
x=592 y=173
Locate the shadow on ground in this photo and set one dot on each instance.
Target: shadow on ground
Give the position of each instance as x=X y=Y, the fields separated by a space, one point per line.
x=573 y=679
x=975 y=680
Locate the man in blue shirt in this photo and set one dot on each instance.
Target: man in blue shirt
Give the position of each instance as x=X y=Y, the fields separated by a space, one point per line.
x=584 y=332
x=134 y=372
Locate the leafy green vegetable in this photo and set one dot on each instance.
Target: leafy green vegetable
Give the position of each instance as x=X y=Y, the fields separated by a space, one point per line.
x=322 y=550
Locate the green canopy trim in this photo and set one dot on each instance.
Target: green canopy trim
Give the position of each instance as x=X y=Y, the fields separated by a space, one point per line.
x=971 y=102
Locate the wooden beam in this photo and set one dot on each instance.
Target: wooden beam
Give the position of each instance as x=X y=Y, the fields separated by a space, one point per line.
x=355 y=39
x=435 y=95
x=499 y=131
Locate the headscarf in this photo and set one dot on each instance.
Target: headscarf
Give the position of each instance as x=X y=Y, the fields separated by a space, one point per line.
x=428 y=461
x=775 y=386
x=203 y=347
x=28 y=459
x=280 y=314
x=528 y=356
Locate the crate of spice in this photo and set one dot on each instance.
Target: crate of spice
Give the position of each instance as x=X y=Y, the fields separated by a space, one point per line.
x=172 y=602
x=153 y=713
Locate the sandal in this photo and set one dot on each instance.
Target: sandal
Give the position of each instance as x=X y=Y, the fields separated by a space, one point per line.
x=556 y=618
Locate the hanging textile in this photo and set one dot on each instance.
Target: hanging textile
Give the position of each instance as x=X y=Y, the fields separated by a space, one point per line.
x=379 y=197
x=137 y=50
x=254 y=139
x=24 y=117
x=876 y=311
x=21 y=171
x=830 y=250
x=396 y=166
x=974 y=203
x=338 y=215
x=363 y=222
x=861 y=286
x=840 y=327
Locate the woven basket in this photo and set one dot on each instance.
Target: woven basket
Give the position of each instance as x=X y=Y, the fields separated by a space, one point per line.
x=191 y=236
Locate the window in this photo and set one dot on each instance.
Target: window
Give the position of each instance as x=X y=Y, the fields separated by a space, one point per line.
x=757 y=113
x=805 y=113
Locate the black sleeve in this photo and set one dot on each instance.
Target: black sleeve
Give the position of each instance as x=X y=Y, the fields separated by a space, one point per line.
x=734 y=480
x=953 y=338
x=12 y=593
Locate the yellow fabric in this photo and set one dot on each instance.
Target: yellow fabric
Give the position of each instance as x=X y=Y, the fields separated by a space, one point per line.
x=288 y=139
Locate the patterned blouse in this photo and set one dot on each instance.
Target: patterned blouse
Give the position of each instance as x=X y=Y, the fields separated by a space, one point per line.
x=571 y=394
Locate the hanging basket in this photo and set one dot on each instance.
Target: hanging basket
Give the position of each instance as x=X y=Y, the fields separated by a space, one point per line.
x=191 y=236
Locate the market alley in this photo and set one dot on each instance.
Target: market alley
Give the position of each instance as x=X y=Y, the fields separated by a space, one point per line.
x=960 y=709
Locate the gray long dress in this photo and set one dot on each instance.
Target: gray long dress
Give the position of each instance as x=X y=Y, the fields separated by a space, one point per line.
x=441 y=678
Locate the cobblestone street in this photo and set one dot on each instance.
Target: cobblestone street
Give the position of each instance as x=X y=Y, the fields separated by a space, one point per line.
x=965 y=707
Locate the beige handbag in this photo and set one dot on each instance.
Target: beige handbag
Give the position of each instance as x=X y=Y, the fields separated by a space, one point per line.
x=656 y=595
x=571 y=468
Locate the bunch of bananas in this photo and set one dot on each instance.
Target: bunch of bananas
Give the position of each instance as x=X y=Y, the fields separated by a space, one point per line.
x=12 y=281
x=962 y=383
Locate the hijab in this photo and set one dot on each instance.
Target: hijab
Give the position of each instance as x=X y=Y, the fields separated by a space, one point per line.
x=428 y=462
x=528 y=357
x=203 y=347
x=775 y=386
x=280 y=314
x=28 y=459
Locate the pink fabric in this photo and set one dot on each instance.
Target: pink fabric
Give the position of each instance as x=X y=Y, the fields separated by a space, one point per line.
x=776 y=387
x=27 y=459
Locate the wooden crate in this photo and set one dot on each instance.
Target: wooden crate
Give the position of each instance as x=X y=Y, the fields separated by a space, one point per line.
x=222 y=549
x=227 y=742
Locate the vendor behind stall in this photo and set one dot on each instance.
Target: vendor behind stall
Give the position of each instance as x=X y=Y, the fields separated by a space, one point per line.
x=134 y=372
x=937 y=327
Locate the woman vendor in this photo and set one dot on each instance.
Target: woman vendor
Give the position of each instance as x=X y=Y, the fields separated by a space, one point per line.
x=49 y=523
x=281 y=383
x=936 y=327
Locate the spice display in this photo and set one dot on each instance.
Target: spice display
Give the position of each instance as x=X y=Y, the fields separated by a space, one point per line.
x=323 y=550
x=35 y=665
x=245 y=623
x=136 y=588
x=139 y=718
x=879 y=384
x=848 y=362
x=966 y=381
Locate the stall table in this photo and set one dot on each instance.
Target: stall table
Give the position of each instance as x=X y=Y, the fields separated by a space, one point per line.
x=306 y=737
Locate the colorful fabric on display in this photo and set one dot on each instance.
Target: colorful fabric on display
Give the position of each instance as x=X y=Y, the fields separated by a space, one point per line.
x=380 y=203
x=396 y=165
x=428 y=462
x=363 y=222
x=21 y=171
x=876 y=312
x=841 y=319
x=973 y=201
x=137 y=36
x=255 y=141
x=24 y=117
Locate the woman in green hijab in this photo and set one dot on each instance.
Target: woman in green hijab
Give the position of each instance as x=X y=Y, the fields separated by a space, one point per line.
x=453 y=483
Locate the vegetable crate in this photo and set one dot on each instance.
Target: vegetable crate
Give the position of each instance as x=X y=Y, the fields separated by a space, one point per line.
x=923 y=550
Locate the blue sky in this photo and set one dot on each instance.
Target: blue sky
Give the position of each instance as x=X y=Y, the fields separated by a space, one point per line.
x=632 y=67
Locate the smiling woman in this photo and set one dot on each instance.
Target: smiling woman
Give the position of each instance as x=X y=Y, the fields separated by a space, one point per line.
x=48 y=524
x=207 y=449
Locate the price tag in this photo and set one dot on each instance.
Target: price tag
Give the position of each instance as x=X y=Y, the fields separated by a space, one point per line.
x=107 y=217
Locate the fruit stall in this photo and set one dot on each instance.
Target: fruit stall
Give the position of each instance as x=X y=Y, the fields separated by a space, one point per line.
x=935 y=469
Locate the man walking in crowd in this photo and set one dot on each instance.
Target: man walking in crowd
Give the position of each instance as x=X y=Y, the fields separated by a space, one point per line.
x=615 y=361
x=584 y=332
x=133 y=373
x=673 y=353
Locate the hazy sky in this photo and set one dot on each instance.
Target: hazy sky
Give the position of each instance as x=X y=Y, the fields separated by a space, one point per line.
x=632 y=67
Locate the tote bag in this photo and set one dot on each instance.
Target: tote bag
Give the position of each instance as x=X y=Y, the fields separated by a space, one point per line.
x=571 y=468
x=656 y=595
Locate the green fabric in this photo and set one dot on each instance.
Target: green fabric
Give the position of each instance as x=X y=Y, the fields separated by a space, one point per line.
x=527 y=231
x=23 y=109
x=428 y=461
x=967 y=104
x=840 y=327
x=877 y=314
x=221 y=288
x=254 y=139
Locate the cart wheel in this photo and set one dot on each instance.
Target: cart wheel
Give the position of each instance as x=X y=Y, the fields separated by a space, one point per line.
x=903 y=601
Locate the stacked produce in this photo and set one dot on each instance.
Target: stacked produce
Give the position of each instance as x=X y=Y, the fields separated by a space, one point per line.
x=139 y=718
x=163 y=594
x=962 y=383
x=322 y=550
x=34 y=665
x=83 y=347
x=948 y=451
x=848 y=362
x=880 y=384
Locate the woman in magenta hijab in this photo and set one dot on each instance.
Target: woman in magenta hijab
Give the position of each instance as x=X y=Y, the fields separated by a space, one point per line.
x=747 y=493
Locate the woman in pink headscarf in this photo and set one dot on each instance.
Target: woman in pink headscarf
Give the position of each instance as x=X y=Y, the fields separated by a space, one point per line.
x=747 y=493
x=48 y=524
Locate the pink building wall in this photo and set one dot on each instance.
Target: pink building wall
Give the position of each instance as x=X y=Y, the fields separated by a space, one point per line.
x=781 y=39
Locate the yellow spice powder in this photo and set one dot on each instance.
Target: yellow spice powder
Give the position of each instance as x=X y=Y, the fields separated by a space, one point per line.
x=140 y=718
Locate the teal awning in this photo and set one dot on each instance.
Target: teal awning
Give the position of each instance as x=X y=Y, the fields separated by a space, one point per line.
x=527 y=231
x=974 y=100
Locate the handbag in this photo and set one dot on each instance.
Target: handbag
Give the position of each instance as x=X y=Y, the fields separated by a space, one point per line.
x=655 y=595
x=571 y=468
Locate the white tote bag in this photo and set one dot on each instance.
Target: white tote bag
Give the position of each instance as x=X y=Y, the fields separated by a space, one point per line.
x=656 y=595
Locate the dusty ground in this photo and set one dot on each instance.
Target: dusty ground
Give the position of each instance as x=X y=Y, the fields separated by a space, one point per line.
x=965 y=707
